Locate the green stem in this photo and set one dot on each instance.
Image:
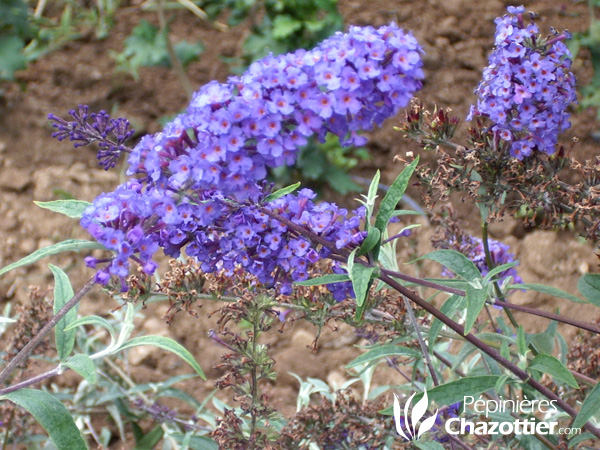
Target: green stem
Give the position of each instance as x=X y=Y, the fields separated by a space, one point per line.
x=491 y=264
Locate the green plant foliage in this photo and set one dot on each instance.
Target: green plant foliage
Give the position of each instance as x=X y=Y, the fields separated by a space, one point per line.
x=14 y=32
x=25 y=37
x=286 y=24
x=147 y=47
x=324 y=164
x=51 y=415
x=590 y=40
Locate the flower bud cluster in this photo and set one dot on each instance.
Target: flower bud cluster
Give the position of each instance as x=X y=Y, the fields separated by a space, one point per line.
x=109 y=134
x=199 y=186
x=526 y=87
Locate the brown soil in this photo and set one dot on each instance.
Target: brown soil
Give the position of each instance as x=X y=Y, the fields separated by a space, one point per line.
x=456 y=35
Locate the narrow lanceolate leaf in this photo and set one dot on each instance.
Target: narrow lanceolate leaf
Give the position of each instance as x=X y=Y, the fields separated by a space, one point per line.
x=372 y=195
x=97 y=321
x=448 y=308
x=383 y=351
x=167 y=344
x=63 y=292
x=325 y=279
x=281 y=192
x=456 y=262
x=475 y=303
x=552 y=366
x=547 y=290
x=71 y=245
x=361 y=281
x=373 y=238
x=590 y=407
x=521 y=342
x=589 y=286
x=70 y=208
x=500 y=269
x=84 y=366
x=455 y=391
x=51 y=415
x=428 y=445
x=393 y=196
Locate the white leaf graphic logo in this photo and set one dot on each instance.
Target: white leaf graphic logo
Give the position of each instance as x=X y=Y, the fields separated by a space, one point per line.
x=397 y=419
x=408 y=429
x=427 y=424
x=418 y=412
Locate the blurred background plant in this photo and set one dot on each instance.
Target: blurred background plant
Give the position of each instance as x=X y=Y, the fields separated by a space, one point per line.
x=589 y=40
x=29 y=31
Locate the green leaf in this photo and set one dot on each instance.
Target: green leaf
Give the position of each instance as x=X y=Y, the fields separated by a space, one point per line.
x=393 y=196
x=589 y=286
x=197 y=442
x=456 y=262
x=590 y=407
x=281 y=192
x=448 y=308
x=70 y=208
x=552 y=366
x=475 y=303
x=71 y=245
x=579 y=438
x=373 y=238
x=11 y=56
x=521 y=342
x=285 y=25
x=149 y=441
x=455 y=391
x=383 y=351
x=372 y=196
x=428 y=445
x=499 y=269
x=84 y=366
x=543 y=342
x=63 y=292
x=547 y=290
x=325 y=279
x=361 y=281
x=188 y=51
x=167 y=344
x=94 y=320
x=51 y=415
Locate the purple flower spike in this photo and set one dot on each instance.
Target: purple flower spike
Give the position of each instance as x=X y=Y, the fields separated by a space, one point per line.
x=198 y=186
x=526 y=87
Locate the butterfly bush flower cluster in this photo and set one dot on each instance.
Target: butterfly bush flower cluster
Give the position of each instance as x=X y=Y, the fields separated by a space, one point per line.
x=526 y=87
x=198 y=186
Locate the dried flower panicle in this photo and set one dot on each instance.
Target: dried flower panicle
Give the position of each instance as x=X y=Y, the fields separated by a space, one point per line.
x=31 y=318
x=584 y=354
x=343 y=423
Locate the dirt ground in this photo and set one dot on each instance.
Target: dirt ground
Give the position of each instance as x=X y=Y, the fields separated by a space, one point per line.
x=457 y=36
